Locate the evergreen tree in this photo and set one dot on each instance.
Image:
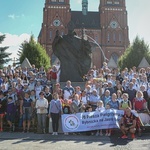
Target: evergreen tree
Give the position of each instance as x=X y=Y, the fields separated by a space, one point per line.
x=35 y=53
x=4 y=56
x=134 y=54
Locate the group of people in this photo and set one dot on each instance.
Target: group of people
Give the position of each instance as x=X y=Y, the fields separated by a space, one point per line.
x=30 y=96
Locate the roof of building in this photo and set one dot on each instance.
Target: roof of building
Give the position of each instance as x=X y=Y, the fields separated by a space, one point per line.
x=112 y=63
x=90 y=21
x=143 y=63
x=26 y=63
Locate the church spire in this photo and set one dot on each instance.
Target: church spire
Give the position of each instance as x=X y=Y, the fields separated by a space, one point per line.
x=84 y=7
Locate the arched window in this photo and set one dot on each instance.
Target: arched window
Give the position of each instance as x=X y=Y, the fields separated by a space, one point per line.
x=114 y=37
x=61 y=1
x=108 y=37
x=115 y=57
x=51 y=34
x=120 y=37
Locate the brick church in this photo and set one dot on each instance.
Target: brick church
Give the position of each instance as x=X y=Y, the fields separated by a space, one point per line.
x=107 y=27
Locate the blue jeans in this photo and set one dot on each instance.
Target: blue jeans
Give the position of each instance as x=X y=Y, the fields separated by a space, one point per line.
x=41 y=121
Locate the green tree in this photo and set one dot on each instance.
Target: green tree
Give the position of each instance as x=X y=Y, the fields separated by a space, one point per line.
x=35 y=53
x=134 y=54
x=4 y=56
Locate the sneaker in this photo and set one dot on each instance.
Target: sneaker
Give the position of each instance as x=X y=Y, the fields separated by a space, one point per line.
x=101 y=134
x=23 y=131
x=124 y=137
x=56 y=133
x=108 y=134
x=44 y=131
x=97 y=134
x=66 y=133
x=53 y=133
x=132 y=136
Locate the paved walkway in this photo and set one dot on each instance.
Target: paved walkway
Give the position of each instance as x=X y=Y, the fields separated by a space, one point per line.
x=31 y=141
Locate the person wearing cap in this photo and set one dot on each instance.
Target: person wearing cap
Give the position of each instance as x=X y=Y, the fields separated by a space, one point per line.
x=41 y=106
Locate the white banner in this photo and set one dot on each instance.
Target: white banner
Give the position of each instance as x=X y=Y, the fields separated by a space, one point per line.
x=91 y=120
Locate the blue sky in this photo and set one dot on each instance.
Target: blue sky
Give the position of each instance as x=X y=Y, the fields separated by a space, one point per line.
x=21 y=18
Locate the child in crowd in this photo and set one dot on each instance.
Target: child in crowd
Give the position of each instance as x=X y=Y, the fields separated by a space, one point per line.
x=33 y=97
x=11 y=112
x=66 y=109
x=100 y=108
x=108 y=131
x=89 y=109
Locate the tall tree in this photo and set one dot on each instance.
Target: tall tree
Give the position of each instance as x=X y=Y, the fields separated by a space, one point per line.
x=4 y=56
x=134 y=54
x=35 y=53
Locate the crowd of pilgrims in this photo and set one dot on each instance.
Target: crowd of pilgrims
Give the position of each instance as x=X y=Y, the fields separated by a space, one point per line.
x=30 y=96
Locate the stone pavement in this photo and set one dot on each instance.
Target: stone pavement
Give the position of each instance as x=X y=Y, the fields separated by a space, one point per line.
x=32 y=141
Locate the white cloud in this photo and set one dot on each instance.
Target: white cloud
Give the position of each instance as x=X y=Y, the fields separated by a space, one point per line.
x=13 y=16
x=13 y=42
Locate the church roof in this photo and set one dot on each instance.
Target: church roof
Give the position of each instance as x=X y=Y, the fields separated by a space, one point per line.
x=89 y=21
x=112 y=63
x=143 y=63
x=26 y=63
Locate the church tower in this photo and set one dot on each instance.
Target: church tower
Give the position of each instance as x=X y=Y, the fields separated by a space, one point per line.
x=114 y=27
x=56 y=15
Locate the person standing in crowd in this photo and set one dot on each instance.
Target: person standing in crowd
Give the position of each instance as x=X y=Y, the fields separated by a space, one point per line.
x=131 y=92
x=84 y=98
x=55 y=110
x=128 y=124
x=49 y=97
x=93 y=99
x=110 y=88
x=125 y=103
x=68 y=90
x=100 y=108
x=119 y=96
x=38 y=89
x=2 y=109
x=33 y=97
x=140 y=105
x=53 y=74
x=26 y=107
x=66 y=109
x=10 y=113
x=106 y=97
x=76 y=105
x=41 y=106
x=114 y=104
x=108 y=131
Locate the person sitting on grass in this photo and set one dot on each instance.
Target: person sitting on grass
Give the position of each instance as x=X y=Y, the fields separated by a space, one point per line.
x=128 y=124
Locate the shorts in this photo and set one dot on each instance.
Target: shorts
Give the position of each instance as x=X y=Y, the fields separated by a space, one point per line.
x=26 y=116
x=10 y=117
